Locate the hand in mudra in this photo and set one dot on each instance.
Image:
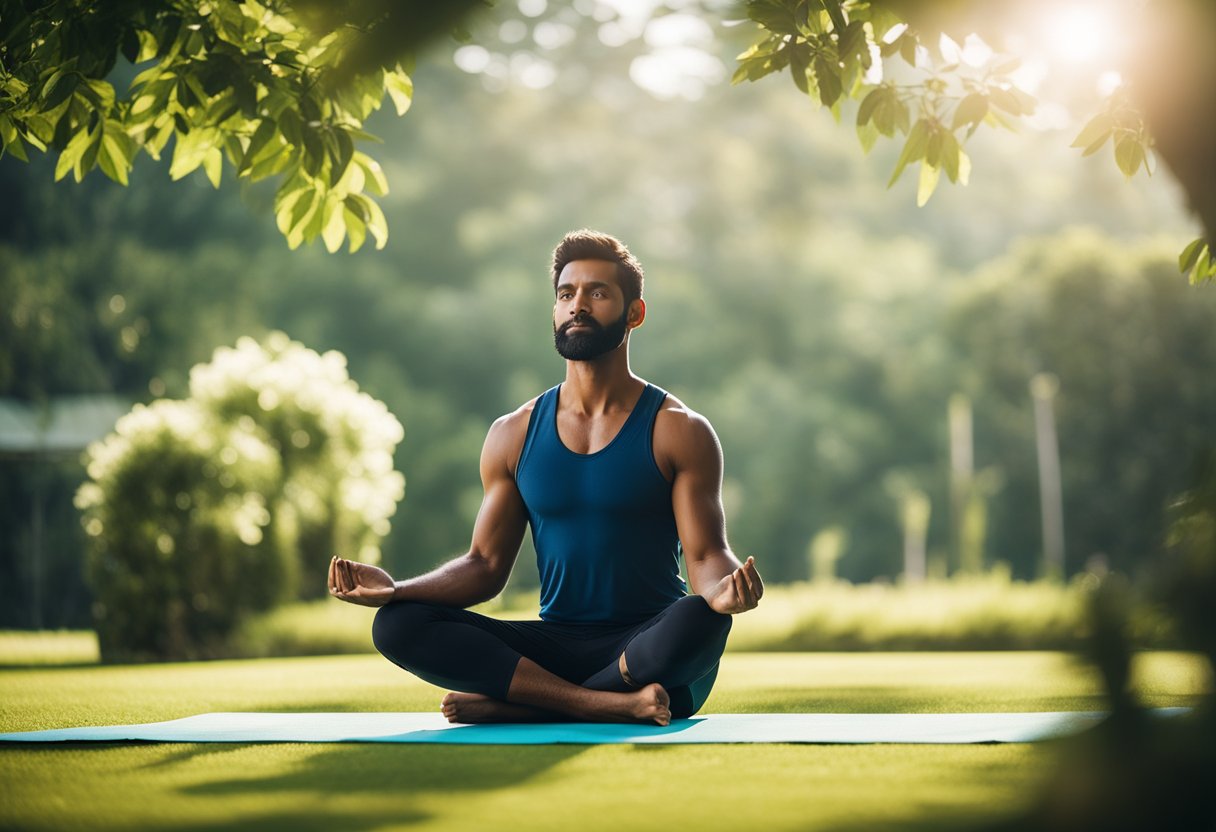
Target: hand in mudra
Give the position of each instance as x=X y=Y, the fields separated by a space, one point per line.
x=360 y=583
x=737 y=592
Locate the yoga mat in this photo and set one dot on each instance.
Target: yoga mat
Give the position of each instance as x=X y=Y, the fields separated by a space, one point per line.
x=715 y=728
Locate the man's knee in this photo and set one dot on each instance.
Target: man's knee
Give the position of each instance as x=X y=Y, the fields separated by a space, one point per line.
x=397 y=627
x=701 y=617
x=690 y=634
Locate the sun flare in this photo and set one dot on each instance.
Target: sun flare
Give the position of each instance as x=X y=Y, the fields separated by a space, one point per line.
x=1081 y=33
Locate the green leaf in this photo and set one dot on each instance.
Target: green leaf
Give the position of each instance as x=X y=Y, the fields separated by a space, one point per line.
x=213 y=165
x=827 y=77
x=88 y=159
x=1006 y=100
x=400 y=89
x=377 y=183
x=58 y=89
x=12 y=140
x=1190 y=255
x=951 y=153
x=971 y=110
x=835 y=13
x=334 y=229
x=356 y=228
x=914 y=149
x=800 y=57
x=1200 y=263
x=865 y=111
x=114 y=157
x=257 y=144
x=190 y=150
x=1129 y=154
x=867 y=134
x=341 y=160
x=933 y=150
x=929 y=174
x=1094 y=134
x=147 y=46
x=375 y=219
x=70 y=155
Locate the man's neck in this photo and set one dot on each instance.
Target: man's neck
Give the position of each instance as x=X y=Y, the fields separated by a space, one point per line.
x=593 y=388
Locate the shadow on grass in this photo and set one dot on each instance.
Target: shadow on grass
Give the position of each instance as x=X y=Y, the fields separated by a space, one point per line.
x=406 y=776
x=305 y=821
x=402 y=769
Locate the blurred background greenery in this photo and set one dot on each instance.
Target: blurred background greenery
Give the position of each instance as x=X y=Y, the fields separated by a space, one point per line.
x=867 y=364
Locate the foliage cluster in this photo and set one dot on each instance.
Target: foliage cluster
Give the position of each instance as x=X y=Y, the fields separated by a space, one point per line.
x=246 y=83
x=937 y=98
x=196 y=510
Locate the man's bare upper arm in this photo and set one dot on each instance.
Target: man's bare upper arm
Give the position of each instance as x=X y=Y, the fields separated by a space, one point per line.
x=502 y=518
x=688 y=442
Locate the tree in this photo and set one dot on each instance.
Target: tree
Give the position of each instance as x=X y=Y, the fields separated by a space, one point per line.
x=282 y=89
x=276 y=90
x=841 y=49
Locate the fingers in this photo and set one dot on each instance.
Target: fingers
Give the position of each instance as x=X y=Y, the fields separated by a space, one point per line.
x=347 y=573
x=329 y=578
x=752 y=576
x=743 y=592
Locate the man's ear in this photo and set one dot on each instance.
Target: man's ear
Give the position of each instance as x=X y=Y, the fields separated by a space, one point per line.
x=637 y=313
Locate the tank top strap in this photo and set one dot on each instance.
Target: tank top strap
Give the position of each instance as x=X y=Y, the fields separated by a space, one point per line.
x=542 y=414
x=641 y=421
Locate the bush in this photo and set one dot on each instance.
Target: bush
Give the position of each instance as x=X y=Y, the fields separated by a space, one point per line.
x=181 y=541
x=335 y=445
x=203 y=511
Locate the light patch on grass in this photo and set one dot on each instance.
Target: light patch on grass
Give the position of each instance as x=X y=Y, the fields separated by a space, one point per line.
x=48 y=647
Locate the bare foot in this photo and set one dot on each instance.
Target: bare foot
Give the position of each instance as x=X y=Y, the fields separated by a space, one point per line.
x=652 y=704
x=473 y=708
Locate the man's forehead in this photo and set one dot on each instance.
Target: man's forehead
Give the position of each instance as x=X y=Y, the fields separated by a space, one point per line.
x=589 y=271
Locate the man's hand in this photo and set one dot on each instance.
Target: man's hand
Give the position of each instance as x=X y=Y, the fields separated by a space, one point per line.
x=360 y=583
x=737 y=592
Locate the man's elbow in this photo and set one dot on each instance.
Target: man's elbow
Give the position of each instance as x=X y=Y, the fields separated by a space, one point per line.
x=494 y=574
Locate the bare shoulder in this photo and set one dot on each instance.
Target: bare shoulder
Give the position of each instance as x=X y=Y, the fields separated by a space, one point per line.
x=683 y=438
x=505 y=439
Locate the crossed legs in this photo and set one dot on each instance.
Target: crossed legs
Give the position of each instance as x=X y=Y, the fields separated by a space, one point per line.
x=503 y=671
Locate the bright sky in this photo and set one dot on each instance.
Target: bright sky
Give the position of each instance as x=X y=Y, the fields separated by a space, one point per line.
x=1078 y=40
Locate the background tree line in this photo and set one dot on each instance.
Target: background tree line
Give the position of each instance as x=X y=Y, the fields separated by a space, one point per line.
x=819 y=323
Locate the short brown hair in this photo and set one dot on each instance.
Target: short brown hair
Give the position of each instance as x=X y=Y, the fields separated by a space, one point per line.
x=586 y=244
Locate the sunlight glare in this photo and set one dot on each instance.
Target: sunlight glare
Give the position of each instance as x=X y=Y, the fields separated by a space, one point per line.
x=1080 y=32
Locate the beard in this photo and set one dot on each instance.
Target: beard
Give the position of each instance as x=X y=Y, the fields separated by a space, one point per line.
x=588 y=346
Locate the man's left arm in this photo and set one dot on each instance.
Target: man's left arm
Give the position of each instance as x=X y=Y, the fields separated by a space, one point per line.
x=714 y=572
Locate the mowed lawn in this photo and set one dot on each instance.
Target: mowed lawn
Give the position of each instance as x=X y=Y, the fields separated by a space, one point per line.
x=356 y=787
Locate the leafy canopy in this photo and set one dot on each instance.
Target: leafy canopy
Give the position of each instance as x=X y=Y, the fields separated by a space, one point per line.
x=925 y=92
x=247 y=83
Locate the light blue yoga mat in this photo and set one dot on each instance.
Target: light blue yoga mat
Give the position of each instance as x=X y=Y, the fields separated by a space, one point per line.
x=715 y=728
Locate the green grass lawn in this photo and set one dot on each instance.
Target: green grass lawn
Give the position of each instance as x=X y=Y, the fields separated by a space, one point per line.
x=331 y=787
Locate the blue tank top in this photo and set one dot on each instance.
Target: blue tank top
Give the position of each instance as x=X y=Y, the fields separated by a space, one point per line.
x=602 y=523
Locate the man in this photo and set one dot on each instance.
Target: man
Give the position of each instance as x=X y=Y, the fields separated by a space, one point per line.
x=616 y=478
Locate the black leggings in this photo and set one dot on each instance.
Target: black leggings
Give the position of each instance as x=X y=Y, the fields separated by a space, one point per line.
x=460 y=650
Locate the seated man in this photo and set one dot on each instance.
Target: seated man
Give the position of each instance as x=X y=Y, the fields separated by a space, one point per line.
x=616 y=478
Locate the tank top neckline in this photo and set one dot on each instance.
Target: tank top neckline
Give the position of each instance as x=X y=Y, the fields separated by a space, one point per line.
x=629 y=420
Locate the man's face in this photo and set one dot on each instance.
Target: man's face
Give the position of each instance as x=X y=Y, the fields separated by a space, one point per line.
x=590 y=316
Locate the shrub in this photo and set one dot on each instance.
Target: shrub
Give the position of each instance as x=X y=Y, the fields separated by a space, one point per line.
x=181 y=541
x=203 y=511
x=335 y=445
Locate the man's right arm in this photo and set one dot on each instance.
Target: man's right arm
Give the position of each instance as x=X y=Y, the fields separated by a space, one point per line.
x=482 y=572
